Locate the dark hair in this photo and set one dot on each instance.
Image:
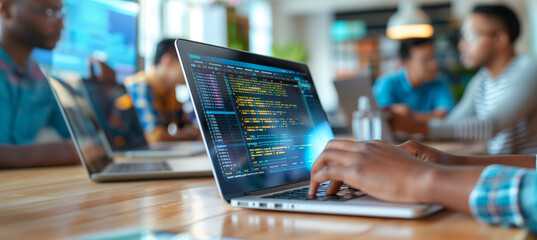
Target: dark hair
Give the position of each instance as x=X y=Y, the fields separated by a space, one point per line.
x=408 y=44
x=504 y=15
x=163 y=47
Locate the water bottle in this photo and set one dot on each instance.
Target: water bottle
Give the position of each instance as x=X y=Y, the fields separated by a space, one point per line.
x=366 y=123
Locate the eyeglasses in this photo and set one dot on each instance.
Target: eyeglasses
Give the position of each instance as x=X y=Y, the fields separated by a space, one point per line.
x=51 y=14
x=473 y=35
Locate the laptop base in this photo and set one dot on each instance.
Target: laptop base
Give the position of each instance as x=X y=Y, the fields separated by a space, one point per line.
x=364 y=206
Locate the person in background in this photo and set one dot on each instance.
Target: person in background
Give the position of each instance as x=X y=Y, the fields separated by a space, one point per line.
x=27 y=104
x=154 y=97
x=417 y=88
x=413 y=173
x=499 y=104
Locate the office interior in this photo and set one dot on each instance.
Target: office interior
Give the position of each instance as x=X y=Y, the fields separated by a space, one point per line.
x=337 y=39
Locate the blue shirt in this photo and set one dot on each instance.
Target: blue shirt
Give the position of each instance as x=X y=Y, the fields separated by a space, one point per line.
x=394 y=88
x=506 y=196
x=27 y=103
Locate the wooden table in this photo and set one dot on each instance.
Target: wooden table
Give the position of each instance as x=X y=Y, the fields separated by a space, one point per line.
x=61 y=202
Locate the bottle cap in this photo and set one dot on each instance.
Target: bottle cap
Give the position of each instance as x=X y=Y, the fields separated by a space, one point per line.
x=363 y=103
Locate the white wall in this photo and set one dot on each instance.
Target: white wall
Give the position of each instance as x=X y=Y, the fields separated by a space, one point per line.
x=283 y=23
x=150 y=30
x=532 y=24
x=318 y=42
x=214 y=25
x=312 y=30
x=304 y=7
x=195 y=19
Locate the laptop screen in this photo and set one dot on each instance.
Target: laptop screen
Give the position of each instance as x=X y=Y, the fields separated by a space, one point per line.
x=261 y=117
x=82 y=123
x=116 y=114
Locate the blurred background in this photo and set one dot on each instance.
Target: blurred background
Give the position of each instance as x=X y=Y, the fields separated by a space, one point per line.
x=337 y=38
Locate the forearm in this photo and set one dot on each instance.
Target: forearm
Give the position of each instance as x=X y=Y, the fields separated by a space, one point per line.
x=461 y=129
x=461 y=124
x=425 y=117
x=450 y=186
x=38 y=155
x=522 y=161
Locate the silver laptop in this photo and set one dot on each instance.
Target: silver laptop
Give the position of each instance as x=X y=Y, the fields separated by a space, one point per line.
x=264 y=126
x=123 y=133
x=349 y=90
x=99 y=163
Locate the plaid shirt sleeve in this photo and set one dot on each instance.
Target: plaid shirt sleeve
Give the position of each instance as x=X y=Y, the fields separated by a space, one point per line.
x=143 y=103
x=505 y=196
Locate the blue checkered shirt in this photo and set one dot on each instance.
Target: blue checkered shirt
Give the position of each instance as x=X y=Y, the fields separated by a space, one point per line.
x=143 y=103
x=506 y=196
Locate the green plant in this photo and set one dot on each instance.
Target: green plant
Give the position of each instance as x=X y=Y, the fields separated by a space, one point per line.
x=291 y=51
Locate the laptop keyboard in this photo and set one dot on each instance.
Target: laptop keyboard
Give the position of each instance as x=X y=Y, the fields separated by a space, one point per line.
x=140 y=167
x=345 y=193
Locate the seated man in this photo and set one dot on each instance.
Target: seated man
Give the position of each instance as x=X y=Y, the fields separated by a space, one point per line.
x=161 y=115
x=417 y=87
x=414 y=173
x=499 y=104
x=27 y=104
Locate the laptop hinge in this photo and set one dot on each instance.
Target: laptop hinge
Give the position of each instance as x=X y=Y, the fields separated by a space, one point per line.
x=278 y=188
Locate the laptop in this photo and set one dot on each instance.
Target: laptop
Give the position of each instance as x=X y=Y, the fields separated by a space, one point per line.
x=349 y=90
x=99 y=163
x=264 y=127
x=124 y=135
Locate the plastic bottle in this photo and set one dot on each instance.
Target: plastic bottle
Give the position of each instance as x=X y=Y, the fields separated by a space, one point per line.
x=366 y=123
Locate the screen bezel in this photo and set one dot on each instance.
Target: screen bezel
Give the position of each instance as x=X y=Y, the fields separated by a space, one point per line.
x=91 y=167
x=187 y=47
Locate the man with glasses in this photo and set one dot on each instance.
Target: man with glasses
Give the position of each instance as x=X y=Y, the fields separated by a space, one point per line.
x=27 y=104
x=499 y=104
x=417 y=87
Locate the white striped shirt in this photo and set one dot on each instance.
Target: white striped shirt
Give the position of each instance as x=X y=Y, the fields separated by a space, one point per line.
x=502 y=111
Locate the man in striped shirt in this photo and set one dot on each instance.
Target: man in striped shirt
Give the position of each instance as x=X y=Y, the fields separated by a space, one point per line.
x=500 y=104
